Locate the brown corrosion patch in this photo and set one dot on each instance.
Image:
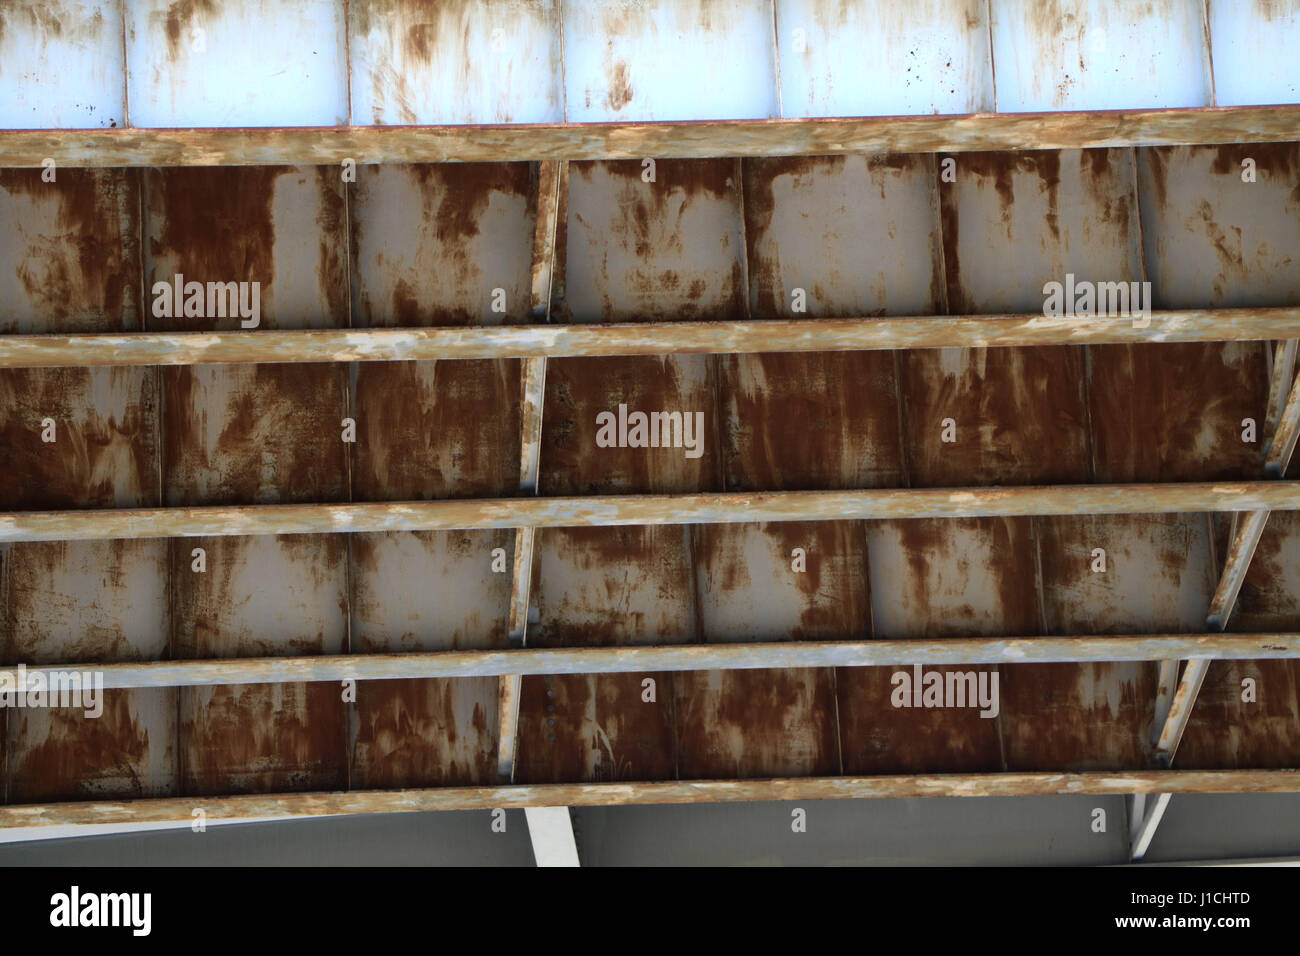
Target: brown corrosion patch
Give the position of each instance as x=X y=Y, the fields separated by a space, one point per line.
x=103 y=455
x=1077 y=716
x=595 y=728
x=80 y=270
x=620 y=86
x=1224 y=732
x=814 y=421
x=425 y=733
x=279 y=436
x=578 y=389
x=179 y=20
x=1173 y=411
x=877 y=737
x=59 y=754
x=260 y=738
x=1019 y=416
x=215 y=224
x=458 y=435
x=756 y=723
x=1001 y=169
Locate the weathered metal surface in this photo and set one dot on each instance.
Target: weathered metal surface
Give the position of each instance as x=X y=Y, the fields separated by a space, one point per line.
x=603 y=658
x=862 y=59
x=1283 y=446
x=696 y=791
x=612 y=141
x=1001 y=407
x=261 y=595
x=764 y=722
x=72 y=264
x=70 y=251
x=612 y=586
x=467 y=61
x=1224 y=731
x=90 y=602
x=283 y=227
x=1100 y=55
x=253 y=63
x=552 y=203
x=62 y=64
x=1175 y=411
x=85 y=601
x=1271 y=591
x=1253 y=44
x=658 y=338
x=57 y=753
x=632 y=250
x=104 y=423
x=432 y=243
x=254 y=434
x=668 y=60
x=1280 y=380
x=594 y=587
x=624 y=510
x=1189 y=685
x=817 y=421
x=1156 y=573
x=1241 y=549
x=1014 y=221
x=858 y=234
x=457 y=435
x=1213 y=239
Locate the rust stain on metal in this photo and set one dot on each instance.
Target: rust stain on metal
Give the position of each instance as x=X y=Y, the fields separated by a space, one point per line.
x=1008 y=406
x=457 y=435
x=129 y=751
x=88 y=601
x=579 y=389
x=431 y=243
x=180 y=19
x=253 y=738
x=1225 y=732
x=103 y=455
x=73 y=251
x=581 y=728
x=756 y=723
x=1213 y=238
x=880 y=738
x=1271 y=590
x=254 y=434
x=1173 y=412
x=817 y=421
x=411 y=733
x=1157 y=577
x=639 y=251
x=280 y=226
x=932 y=578
x=858 y=234
x=1077 y=716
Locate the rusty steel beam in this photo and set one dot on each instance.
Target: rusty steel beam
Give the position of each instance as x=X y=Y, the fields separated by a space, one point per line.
x=620 y=510
x=1245 y=538
x=550 y=189
x=702 y=139
x=1282 y=365
x=677 y=657
x=1283 y=443
x=276 y=805
x=1171 y=734
x=664 y=338
x=1247 y=530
